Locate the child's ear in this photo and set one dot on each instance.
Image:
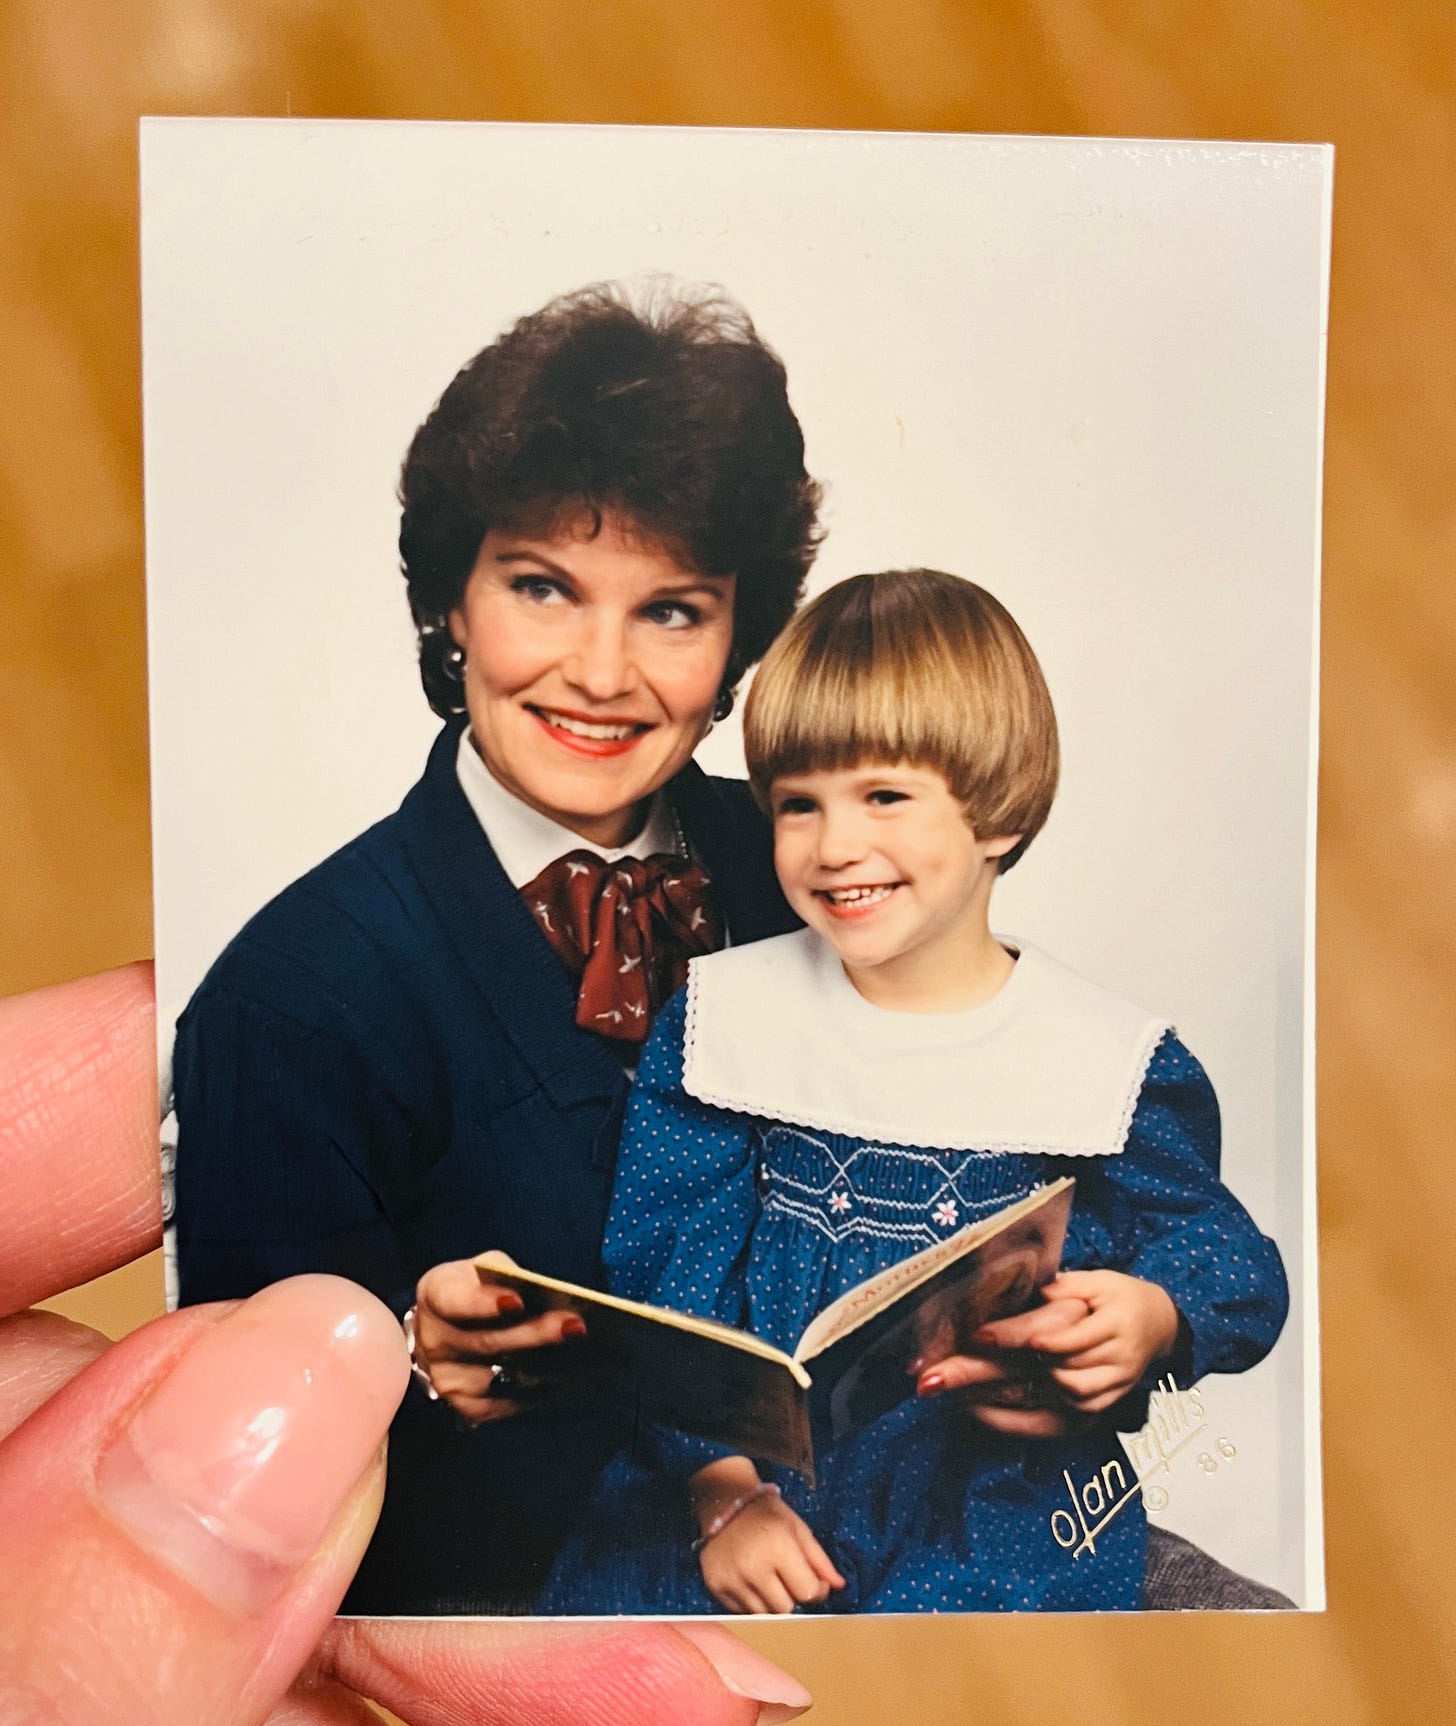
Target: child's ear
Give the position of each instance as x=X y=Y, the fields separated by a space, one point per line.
x=1002 y=843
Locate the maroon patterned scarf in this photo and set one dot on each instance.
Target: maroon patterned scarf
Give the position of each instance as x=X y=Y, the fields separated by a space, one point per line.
x=626 y=930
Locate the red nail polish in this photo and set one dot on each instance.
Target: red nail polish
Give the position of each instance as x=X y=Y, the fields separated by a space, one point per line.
x=571 y=1325
x=930 y=1384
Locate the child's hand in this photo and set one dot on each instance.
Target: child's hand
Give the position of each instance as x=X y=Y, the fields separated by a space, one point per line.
x=765 y=1558
x=1129 y=1324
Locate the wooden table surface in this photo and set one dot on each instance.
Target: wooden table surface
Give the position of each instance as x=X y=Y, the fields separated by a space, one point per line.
x=1380 y=83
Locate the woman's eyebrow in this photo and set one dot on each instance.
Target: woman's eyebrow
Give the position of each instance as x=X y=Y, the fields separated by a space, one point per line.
x=717 y=585
x=689 y=582
x=534 y=557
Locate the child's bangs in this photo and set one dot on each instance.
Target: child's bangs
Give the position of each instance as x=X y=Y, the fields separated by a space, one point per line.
x=859 y=695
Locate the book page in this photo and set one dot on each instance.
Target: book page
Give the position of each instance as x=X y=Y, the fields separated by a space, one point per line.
x=867 y=1371
x=861 y=1303
x=550 y=1294
x=689 y=1373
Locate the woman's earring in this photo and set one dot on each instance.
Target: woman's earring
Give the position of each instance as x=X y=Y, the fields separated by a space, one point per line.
x=723 y=706
x=442 y=658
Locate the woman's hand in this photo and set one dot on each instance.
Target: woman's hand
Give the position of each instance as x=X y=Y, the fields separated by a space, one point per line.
x=466 y=1335
x=1007 y=1387
x=765 y=1559
x=184 y=1510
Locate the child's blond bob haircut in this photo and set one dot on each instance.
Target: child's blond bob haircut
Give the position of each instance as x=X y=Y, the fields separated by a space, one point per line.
x=911 y=666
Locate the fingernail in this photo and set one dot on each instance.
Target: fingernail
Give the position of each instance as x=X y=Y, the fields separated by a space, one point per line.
x=930 y=1384
x=916 y=1365
x=233 y=1468
x=571 y=1325
x=510 y=1303
x=746 y=1673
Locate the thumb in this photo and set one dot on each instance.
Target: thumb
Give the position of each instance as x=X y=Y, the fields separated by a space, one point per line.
x=1075 y=1285
x=182 y=1519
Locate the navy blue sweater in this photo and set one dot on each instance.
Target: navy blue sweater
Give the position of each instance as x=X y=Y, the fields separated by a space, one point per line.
x=381 y=1073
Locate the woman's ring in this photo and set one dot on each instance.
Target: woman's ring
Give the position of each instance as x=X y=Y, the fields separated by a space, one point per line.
x=502 y=1381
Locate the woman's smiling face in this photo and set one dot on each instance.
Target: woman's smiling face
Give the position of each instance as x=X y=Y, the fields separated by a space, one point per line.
x=592 y=665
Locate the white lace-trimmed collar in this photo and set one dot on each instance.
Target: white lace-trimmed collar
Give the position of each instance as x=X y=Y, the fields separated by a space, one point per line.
x=525 y=841
x=1050 y=1064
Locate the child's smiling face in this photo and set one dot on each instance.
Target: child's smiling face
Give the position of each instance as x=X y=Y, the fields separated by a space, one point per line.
x=880 y=860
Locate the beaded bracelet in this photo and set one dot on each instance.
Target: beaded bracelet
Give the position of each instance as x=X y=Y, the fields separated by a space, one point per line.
x=724 y=1517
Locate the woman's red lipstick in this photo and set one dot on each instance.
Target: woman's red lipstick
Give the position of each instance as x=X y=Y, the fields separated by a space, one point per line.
x=578 y=742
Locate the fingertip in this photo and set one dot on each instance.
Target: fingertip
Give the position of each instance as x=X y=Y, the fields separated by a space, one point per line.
x=745 y=1672
x=1074 y=1282
x=39 y=1352
x=233 y=1467
x=80 y=1066
x=116 y=1509
x=1052 y=1343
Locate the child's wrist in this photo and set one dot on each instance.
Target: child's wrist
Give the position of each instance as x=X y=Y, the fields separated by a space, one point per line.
x=716 y=1523
x=718 y=1483
x=1169 y=1321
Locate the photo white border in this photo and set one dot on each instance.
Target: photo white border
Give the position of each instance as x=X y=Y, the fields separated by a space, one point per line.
x=1063 y=367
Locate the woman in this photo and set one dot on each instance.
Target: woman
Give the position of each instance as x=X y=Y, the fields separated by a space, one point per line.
x=420 y=1049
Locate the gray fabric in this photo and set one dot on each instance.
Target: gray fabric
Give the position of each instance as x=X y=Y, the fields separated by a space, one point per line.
x=1182 y=1578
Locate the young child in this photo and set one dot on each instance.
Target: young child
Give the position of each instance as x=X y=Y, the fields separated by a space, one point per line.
x=811 y=1109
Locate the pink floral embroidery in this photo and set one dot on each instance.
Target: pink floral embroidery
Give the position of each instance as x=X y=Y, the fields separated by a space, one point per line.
x=839 y=1202
x=946 y=1212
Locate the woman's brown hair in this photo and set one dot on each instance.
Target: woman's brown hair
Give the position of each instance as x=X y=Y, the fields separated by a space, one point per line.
x=655 y=403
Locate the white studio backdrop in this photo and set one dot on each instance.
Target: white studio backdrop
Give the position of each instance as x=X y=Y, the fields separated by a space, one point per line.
x=1087 y=374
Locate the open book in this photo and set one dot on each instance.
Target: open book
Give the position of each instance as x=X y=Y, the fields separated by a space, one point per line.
x=728 y=1385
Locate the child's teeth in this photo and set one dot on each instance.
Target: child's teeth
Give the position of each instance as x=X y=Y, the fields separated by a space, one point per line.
x=860 y=895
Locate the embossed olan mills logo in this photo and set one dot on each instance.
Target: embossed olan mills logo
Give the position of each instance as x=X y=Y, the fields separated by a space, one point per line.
x=1175 y=1417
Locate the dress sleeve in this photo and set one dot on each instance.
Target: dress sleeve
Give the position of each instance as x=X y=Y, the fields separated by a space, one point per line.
x=287 y=1149
x=1159 y=1211
x=683 y=1209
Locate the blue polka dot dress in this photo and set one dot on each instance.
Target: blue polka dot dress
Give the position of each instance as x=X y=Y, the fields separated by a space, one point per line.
x=761 y=1223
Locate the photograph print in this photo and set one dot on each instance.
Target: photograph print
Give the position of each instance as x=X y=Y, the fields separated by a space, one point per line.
x=733 y=727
